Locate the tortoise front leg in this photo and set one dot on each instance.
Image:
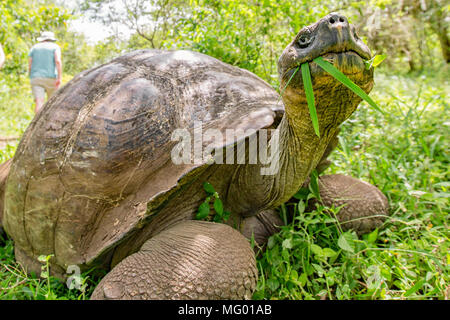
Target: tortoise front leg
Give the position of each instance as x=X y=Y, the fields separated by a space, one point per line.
x=260 y=227
x=364 y=206
x=191 y=260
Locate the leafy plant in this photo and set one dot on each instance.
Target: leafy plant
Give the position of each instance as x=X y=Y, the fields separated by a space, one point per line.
x=45 y=271
x=204 y=210
x=16 y=284
x=375 y=61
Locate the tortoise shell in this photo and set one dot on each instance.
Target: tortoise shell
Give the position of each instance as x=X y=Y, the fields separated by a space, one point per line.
x=97 y=159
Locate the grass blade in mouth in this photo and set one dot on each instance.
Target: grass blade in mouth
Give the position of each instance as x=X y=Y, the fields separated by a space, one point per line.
x=306 y=75
x=282 y=91
x=338 y=75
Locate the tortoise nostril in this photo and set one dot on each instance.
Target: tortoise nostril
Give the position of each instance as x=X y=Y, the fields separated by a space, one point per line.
x=338 y=21
x=337 y=18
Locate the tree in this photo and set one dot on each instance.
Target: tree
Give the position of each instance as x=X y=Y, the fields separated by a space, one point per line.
x=436 y=14
x=248 y=34
x=251 y=34
x=403 y=29
x=21 y=22
x=150 y=19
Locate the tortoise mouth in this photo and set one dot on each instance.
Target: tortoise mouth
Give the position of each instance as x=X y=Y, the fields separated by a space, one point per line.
x=350 y=63
x=345 y=61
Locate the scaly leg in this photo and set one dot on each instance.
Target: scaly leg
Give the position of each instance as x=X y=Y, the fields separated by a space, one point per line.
x=191 y=260
x=365 y=207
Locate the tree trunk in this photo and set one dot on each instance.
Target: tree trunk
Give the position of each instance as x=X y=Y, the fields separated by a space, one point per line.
x=444 y=41
x=409 y=58
x=437 y=21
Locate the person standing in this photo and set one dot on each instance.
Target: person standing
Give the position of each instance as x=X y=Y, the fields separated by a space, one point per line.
x=45 y=68
x=2 y=57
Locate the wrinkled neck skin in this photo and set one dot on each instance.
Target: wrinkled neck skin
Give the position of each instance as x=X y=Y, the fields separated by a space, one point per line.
x=300 y=150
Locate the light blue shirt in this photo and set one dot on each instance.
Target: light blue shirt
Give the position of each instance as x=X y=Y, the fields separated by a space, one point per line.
x=43 y=64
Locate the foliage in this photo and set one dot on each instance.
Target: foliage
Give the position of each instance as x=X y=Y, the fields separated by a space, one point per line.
x=152 y=20
x=204 y=210
x=404 y=154
x=223 y=29
x=248 y=34
x=411 y=32
x=77 y=55
x=16 y=109
x=252 y=34
x=15 y=284
x=21 y=22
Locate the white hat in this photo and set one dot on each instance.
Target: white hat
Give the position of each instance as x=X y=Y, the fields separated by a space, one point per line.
x=46 y=35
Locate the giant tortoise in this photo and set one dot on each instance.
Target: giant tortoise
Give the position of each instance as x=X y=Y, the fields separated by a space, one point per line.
x=98 y=181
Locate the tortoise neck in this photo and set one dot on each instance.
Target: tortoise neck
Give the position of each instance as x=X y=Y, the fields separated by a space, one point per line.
x=299 y=152
x=293 y=152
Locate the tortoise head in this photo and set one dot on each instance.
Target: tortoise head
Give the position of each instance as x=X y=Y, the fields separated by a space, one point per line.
x=334 y=39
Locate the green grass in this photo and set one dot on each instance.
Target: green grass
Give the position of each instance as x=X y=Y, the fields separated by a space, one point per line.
x=16 y=112
x=16 y=105
x=15 y=284
x=310 y=97
x=404 y=153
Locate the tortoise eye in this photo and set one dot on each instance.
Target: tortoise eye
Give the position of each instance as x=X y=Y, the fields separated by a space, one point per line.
x=304 y=40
